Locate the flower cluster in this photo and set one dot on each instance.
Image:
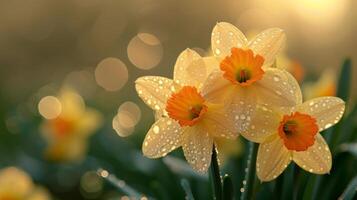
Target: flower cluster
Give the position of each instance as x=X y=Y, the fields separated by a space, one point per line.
x=238 y=91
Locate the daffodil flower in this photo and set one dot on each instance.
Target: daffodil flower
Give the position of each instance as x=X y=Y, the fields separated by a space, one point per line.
x=292 y=134
x=186 y=119
x=67 y=133
x=16 y=184
x=244 y=78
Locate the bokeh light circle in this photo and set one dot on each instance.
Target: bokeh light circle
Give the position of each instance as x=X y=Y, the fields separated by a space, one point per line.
x=145 y=51
x=129 y=114
x=50 y=107
x=111 y=74
x=120 y=130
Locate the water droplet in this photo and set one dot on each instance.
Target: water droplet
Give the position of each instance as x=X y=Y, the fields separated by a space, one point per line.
x=218 y=51
x=276 y=78
x=156 y=129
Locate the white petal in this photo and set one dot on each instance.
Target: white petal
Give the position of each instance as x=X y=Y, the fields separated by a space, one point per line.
x=242 y=107
x=190 y=69
x=265 y=122
x=224 y=37
x=279 y=88
x=326 y=110
x=272 y=158
x=155 y=90
x=212 y=63
x=268 y=44
x=197 y=147
x=316 y=159
x=216 y=87
x=218 y=122
x=163 y=137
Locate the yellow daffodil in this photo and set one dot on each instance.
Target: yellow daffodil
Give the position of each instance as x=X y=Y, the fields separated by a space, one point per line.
x=186 y=118
x=324 y=86
x=292 y=134
x=244 y=78
x=67 y=134
x=15 y=184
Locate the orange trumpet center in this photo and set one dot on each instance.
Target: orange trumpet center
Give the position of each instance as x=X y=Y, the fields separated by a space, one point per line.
x=298 y=131
x=62 y=126
x=242 y=67
x=186 y=106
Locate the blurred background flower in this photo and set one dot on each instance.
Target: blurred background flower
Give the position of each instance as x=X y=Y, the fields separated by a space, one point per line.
x=99 y=47
x=67 y=125
x=16 y=184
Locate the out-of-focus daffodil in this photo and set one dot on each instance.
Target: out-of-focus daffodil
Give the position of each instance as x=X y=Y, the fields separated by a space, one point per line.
x=186 y=118
x=244 y=78
x=67 y=134
x=15 y=184
x=291 y=65
x=324 y=86
x=288 y=134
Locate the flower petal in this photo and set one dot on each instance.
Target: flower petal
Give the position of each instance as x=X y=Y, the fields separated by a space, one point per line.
x=224 y=37
x=268 y=44
x=265 y=122
x=216 y=87
x=242 y=107
x=279 y=88
x=326 y=110
x=219 y=123
x=197 y=147
x=272 y=159
x=212 y=63
x=316 y=159
x=89 y=122
x=163 y=137
x=190 y=69
x=155 y=90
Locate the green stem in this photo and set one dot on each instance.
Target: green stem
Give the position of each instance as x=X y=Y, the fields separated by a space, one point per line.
x=215 y=176
x=247 y=190
x=278 y=190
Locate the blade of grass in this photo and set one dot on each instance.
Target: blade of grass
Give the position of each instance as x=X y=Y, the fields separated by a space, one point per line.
x=119 y=184
x=350 y=191
x=186 y=187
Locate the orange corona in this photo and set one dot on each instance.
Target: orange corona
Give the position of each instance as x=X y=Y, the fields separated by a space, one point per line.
x=242 y=67
x=62 y=126
x=186 y=106
x=298 y=131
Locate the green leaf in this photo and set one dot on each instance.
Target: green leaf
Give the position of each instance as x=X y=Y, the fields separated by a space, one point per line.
x=247 y=190
x=228 y=191
x=186 y=187
x=344 y=81
x=350 y=191
x=119 y=184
